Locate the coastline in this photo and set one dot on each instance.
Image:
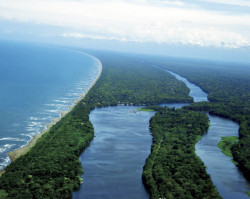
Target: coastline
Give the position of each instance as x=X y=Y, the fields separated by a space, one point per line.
x=13 y=155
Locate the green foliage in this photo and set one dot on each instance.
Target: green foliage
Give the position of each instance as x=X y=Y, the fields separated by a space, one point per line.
x=51 y=169
x=127 y=80
x=248 y=193
x=173 y=170
x=145 y=109
x=226 y=144
x=3 y=194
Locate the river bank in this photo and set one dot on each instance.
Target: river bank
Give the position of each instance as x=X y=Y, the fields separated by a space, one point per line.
x=21 y=151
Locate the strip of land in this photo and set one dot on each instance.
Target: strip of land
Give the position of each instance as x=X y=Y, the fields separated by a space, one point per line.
x=226 y=144
x=51 y=168
x=173 y=169
x=17 y=153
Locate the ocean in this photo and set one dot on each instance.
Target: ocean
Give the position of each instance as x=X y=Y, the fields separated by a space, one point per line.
x=37 y=82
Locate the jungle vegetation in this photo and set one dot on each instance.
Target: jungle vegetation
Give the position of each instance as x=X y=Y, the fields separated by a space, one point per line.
x=226 y=144
x=173 y=170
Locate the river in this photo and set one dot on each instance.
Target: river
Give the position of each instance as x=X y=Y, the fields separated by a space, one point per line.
x=113 y=163
x=229 y=181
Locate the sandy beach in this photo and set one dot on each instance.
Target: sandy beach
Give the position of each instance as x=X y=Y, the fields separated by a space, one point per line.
x=17 y=153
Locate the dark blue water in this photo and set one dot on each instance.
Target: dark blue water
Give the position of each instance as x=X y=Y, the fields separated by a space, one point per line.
x=195 y=91
x=113 y=163
x=225 y=175
x=36 y=84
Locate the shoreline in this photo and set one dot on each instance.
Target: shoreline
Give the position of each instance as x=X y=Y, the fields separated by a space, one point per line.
x=13 y=155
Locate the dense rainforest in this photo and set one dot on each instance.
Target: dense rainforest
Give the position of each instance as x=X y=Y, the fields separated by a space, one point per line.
x=51 y=169
x=127 y=80
x=228 y=88
x=173 y=170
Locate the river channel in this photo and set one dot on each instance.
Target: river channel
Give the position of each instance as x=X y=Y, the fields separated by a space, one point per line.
x=113 y=163
x=229 y=181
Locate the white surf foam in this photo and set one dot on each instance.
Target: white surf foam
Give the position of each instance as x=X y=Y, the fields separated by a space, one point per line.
x=4 y=162
x=6 y=147
x=13 y=139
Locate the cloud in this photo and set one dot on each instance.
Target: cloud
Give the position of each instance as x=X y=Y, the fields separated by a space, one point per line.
x=139 y=21
x=230 y=2
x=78 y=35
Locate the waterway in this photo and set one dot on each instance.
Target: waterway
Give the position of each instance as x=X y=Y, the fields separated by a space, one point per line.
x=113 y=163
x=226 y=176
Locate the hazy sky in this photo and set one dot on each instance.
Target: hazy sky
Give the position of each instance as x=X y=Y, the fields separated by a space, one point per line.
x=204 y=23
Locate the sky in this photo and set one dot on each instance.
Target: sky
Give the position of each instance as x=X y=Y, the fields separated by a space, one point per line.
x=199 y=26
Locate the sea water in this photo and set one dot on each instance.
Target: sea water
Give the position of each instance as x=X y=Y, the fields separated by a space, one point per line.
x=37 y=83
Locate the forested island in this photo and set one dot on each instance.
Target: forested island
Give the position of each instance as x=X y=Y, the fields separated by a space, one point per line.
x=51 y=169
x=173 y=170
